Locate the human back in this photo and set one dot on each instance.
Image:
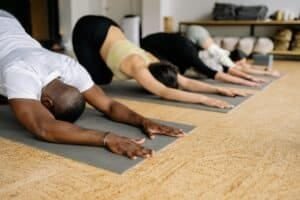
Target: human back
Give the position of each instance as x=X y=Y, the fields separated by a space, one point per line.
x=26 y=67
x=13 y=35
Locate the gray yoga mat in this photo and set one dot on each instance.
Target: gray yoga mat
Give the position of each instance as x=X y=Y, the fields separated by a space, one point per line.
x=95 y=156
x=131 y=90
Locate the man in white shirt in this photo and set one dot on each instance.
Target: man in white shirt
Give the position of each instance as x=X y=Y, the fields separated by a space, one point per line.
x=47 y=91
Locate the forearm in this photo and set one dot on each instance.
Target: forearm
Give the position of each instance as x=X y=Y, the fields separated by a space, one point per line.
x=255 y=71
x=238 y=73
x=178 y=95
x=63 y=132
x=230 y=79
x=198 y=86
x=114 y=110
x=120 y=113
x=189 y=97
x=39 y=121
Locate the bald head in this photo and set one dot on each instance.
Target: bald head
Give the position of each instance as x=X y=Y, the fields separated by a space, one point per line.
x=65 y=102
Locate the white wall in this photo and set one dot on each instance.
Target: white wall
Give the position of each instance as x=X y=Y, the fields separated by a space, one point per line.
x=189 y=10
x=116 y=9
x=69 y=13
x=153 y=11
x=71 y=10
x=151 y=16
x=195 y=9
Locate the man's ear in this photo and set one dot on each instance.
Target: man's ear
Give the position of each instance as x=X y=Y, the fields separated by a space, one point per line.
x=47 y=102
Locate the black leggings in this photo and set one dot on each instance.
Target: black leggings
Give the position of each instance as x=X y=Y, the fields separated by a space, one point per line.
x=178 y=50
x=89 y=35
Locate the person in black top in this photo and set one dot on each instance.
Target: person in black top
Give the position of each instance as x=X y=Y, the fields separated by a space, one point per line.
x=183 y=53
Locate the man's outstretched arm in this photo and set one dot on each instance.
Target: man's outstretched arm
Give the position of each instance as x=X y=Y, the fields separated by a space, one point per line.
x=39 y=121
x=120 y=113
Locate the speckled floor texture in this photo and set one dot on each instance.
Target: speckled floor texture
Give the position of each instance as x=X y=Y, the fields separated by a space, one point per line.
x=251 y=153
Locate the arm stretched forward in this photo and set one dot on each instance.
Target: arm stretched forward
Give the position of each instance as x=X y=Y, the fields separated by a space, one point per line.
x=221 y=76
x=250 y=69
x=145 y=79
x=198 y=86
x=41 y=123
x=238 y=73
x=120 y=113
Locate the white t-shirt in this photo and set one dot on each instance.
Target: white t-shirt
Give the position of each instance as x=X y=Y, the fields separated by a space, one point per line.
x=26 y=67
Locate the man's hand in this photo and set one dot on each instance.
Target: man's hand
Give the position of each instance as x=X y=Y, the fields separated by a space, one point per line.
x=132 y=148
x=232 y=92
x=151 y=129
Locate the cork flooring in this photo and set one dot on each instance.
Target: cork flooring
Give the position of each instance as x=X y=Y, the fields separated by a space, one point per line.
x=251 y=153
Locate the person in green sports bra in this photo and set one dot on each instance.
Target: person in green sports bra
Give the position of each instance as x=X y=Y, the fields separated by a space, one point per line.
x=104 y=51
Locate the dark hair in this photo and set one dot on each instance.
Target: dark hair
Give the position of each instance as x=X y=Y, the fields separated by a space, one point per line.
x=165 y=72
x=237 y=55
x=71 y=110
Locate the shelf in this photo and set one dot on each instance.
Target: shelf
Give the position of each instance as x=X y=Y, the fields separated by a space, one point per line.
x=251 y=23
x=240 y=22
x=286 y=53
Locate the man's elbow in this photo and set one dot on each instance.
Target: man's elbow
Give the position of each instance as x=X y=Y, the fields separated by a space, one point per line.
x=41 y=132
x=45 y=136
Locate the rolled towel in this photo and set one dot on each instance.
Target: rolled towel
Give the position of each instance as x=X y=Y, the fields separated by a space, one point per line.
x=263 y=46
x=230 y=43
x=246 y=45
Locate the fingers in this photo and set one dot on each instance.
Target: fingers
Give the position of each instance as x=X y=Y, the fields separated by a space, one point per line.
x=130 y=148
x=158 y=129
x=240 y=93
x=234 y=93
x=175 y=132
x=251 y=84
x=179 y=133
x=261 y=81
x=226 y=105
x=131 y=155
x=139 y=141
x=229 y=106
x=168 y=131
x=229 y=93
x=172 y=132
x=144 y=153
x=139 y=152
x=221 y=104
x=275 y=73
x=257 y=80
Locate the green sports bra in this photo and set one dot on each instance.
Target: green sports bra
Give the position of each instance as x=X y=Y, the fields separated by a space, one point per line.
x=118 y=52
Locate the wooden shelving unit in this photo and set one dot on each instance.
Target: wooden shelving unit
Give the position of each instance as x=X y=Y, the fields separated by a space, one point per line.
x=240 y=22
x=251 y=23
x=286 y=53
